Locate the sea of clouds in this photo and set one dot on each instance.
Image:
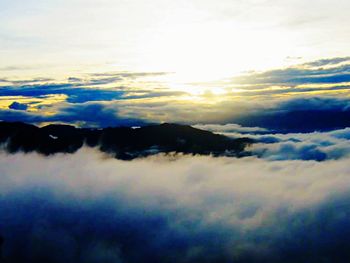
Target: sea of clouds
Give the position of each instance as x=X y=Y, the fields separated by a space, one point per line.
x=88 y=207
x=272 y=145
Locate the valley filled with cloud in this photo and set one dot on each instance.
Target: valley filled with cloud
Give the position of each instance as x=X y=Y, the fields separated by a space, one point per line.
x=172 y=208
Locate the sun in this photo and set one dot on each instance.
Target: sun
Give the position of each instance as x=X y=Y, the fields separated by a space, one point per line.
x=203 y=52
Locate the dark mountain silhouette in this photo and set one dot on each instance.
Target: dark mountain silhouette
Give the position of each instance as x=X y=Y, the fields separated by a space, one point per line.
x=123 y=142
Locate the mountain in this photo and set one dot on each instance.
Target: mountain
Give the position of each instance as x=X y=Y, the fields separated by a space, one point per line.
x=122 y=142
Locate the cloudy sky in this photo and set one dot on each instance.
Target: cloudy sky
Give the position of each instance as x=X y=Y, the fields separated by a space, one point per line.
x=275 y=71
x=196 y=62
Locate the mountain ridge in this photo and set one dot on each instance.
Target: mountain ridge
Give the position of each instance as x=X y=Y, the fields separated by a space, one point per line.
x=124 y=143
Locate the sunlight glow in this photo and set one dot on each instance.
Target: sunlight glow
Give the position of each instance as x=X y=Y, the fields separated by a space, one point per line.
x=197 y=52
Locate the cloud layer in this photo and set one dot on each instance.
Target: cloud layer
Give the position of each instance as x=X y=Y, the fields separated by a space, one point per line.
x=305 y=97
x=89 y=208
x=271 y=145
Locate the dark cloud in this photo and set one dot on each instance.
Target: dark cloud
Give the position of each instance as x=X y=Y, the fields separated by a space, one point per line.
x=301 y=115
x=75 y=94
x=327 y=62
x=79 y=91
x=316 y=103
x=93 y=113
x=310 y=73
x=87 y=114
x=292 y=91
x=18 y=106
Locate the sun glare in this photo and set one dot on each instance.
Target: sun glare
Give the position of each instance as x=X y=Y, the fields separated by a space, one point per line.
x=203 y=53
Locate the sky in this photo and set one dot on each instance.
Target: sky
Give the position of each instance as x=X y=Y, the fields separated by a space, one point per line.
x=195 y=62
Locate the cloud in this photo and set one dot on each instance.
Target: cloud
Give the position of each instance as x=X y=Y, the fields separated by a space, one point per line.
x=25 y=81
x=314 y=146
x=132 y=75
x=230 y=128
x=327 y=62
x=75 y=94
x=88 y=208
x=18 y=106
x=93 y=87
x=290 y=151
x=271 y=145
x=303 y=98
x=96 y=114
x=83 y=114
x=341 y=134
x=288 y=115
x=313 y=72
x=301 y=115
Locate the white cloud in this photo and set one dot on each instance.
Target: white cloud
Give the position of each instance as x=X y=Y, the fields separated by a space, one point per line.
x=230 y=128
